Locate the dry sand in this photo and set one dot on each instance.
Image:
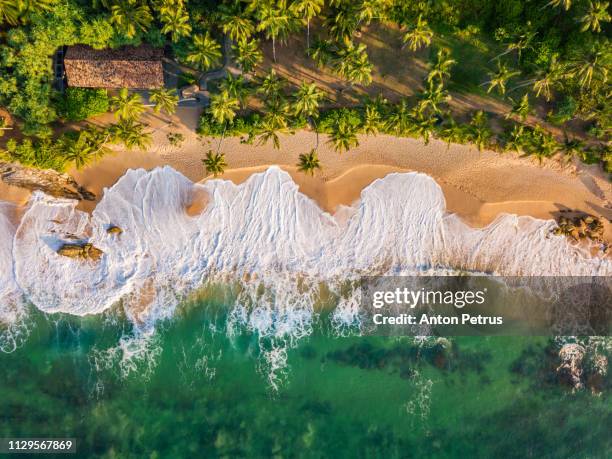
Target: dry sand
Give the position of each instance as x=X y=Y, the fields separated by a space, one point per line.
x=477 y=185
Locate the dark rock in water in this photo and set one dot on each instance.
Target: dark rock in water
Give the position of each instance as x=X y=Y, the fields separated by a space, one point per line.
x=84 y=251
x=47 y=181
x=114 y=230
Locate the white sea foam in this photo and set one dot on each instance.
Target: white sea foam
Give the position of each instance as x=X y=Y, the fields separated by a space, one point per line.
x=264 y=228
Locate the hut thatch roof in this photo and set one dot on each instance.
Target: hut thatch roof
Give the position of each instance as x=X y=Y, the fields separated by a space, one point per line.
x=134 y=67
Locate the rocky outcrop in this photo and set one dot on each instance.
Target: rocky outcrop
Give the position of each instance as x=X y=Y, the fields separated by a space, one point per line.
x=570 y=370
x=114 y=230
x=580 y=228
x=47 y=181
x=84 y=251
x=582 y=368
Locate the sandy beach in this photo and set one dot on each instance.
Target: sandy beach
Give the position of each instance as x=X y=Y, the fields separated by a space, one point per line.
x=477 y=185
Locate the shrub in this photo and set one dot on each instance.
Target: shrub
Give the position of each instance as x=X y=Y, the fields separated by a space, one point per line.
x=78 y=104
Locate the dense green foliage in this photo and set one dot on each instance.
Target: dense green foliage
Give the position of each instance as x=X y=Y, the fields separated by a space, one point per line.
x=542 y=57
x=81 y=103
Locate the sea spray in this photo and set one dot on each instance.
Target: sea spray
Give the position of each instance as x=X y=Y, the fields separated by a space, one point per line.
x=266 y=236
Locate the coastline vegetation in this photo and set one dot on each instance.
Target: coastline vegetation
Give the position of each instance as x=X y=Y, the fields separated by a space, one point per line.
x=546 y=63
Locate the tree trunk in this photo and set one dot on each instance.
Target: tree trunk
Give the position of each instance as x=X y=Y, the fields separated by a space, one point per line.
x=308 y=33
x=274 y=49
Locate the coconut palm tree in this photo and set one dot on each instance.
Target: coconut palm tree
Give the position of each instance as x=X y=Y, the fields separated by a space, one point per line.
x=401 y=119
x=353 y=64
x=126 y=106
x=236 y=23
x=223 y=107
x=321 y=51
x=130 y=17
x=545 y=80
x=591 y=67
x=248 y=55
x=131 y=134
x=165 y=100
x=418 y=35
x=237 y=87
x=205 y=52
x=440 y=70
x=424 y=127
x=306 y=100
x=433 y=97
x=271 y=86
x=451 y=132
x=520 y=108
x=343 y=22
x=89 y=145
x=307 y=9
x=500 y=77
x=372 y=9
x=565 y=4
x=214 y=163
x=516 y=139
x=270 y=129
x=372 y=120
x=9 y=12
x=27 y=7
x=175 y=19
x=309 y=162
x=276 y=20
x=478 y=130
x=573 y=147
x=344 y=135
x=594 y=16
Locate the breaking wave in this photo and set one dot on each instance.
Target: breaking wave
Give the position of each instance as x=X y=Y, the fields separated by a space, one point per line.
x=263 y=235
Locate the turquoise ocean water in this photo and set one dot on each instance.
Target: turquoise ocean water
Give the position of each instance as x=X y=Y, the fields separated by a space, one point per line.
x=197 y=389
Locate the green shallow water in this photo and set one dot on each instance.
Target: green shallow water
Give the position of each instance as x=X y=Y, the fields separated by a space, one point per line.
x=199 y=393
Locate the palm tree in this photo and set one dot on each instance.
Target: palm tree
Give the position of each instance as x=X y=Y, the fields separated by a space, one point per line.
x=499 y=78
x=566 y=4
x=343 y=22
x=127 y=107
x=520 y=108
x=165 y=100
x=592 y=66
x=130 y=17
x=546 y=80
x=309 y=163
x=175 y=19
x=451 y=132
x=594 y=16
x=223 y=107
x=573 y=147
x=372 y=120
x=237 y=87
x=131 y=134
x=205 y=52
x=321 y=51
x=353 y=64
x=276 y=20
x=441 y=68
x=344 y=132
x=433 y=97
x=424 y=126
x=418 y=35
x=214 y=163
x=9 y=12
x=271 y=86
x=270 y=130
x=478 y=130
x=401 y=119
x=89 y=144
x=306 y=100
x=372 y=9
x=307 y=9
x=27 y=7
x=516 y=139
x=235 y=23
x=248 y=55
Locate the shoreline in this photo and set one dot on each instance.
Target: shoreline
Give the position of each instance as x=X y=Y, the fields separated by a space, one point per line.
x=478 y=186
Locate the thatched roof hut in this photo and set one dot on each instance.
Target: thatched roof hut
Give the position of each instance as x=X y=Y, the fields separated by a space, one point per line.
x=133 y=67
